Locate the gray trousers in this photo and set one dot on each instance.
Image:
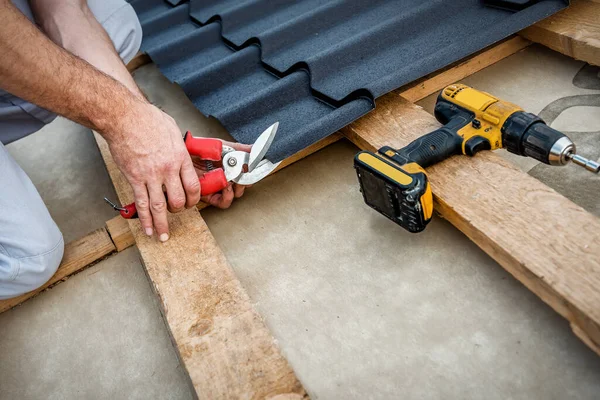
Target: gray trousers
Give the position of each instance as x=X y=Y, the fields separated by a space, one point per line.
x=31 y=245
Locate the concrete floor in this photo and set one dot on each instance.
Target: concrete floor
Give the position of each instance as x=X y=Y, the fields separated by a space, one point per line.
x=359 y=307
x=97 y=335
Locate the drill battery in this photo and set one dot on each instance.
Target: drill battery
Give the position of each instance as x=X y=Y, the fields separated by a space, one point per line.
x=400 y=193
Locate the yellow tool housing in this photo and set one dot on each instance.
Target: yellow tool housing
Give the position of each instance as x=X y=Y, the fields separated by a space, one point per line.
x=395 y=183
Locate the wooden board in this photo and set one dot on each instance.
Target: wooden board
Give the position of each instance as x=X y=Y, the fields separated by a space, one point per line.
x=78 y=254
x=119 y=232
x=140 y=59
x=432 y=83
x=574 y=31
x=221 y=340
x=544 y=240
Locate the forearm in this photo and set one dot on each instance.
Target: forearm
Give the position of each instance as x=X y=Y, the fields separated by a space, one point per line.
x=36 y=69
x=71 y=25
x=104 y=97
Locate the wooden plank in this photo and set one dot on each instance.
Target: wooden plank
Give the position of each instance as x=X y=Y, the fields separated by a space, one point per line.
x=574 y=31
x=78 y=254
x=222 y=341
x=139 y=60
x=585 y=338
x=437 y=81
x=310 y=150
x=119 y=232
x=544 y=240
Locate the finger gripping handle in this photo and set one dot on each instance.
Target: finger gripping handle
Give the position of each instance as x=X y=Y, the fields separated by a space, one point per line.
x=207 y=149
x=213 y=181
x=432 y=148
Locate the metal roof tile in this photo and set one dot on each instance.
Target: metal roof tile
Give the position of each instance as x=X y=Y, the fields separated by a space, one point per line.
x=313 y=65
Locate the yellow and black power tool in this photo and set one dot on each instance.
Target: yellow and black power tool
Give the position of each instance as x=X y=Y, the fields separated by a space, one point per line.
x=394 y=182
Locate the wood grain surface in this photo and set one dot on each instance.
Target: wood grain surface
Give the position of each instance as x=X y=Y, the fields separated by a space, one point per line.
x=574 y=31
x=119 y=232
x=221 y=340
x=432 y=83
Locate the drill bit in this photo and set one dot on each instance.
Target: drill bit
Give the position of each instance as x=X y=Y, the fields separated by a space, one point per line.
x=584 y=162
x=113 y=205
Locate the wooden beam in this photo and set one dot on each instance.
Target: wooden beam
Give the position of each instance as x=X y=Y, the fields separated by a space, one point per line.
x=544 y=240
x=78 y=254
x=574 y=31
x=432 y=83
x=119 y=232
x=139 y=60
x=221 y=340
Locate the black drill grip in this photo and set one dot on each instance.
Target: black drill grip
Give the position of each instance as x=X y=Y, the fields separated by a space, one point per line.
x=430 y=149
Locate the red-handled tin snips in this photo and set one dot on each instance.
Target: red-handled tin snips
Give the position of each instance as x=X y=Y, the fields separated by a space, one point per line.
x=235 y=162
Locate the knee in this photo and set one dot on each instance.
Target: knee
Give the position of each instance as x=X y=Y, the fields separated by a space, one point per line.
x=33 y=272
x=25 y=274
x=122 y=26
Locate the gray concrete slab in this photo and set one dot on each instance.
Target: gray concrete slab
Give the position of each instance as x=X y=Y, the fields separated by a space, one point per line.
x=98 y=335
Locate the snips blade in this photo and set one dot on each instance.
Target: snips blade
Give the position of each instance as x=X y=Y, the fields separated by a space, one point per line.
x=261 y=146
x=264 y=168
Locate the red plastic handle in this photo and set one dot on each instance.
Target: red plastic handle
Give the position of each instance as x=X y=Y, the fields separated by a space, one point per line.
x=129 y=212
x=207 y=149
x=213 y=181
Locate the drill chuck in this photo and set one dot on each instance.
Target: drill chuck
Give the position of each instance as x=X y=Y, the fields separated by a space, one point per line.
x=560 y=151
x=527 y=135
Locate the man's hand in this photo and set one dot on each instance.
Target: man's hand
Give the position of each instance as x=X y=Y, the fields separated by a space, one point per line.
x=148 y=148
x=223 y=199
x=93 y=88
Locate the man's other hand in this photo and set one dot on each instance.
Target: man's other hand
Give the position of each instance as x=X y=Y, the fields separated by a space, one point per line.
x=226 y=196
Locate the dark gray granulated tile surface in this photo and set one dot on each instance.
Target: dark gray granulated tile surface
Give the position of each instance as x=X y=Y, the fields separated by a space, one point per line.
x=313 y=65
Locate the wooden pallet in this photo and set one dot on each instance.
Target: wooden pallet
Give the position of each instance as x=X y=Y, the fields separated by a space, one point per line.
x=223 y=342
x=542 y=262
x=190 y=275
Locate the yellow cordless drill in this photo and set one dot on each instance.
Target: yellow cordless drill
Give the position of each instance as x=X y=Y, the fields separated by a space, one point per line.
x=394 y=182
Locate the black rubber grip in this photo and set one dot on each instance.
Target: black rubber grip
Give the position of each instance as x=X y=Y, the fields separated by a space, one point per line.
x=431 y=148
x=527 y=135
x=538 y=140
